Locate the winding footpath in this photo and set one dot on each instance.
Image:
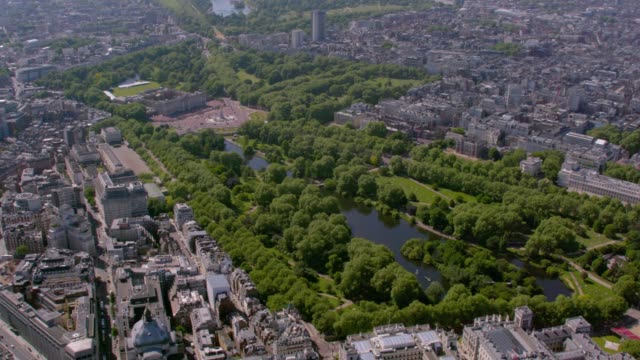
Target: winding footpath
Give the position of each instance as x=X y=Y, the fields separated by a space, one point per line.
x=591 y=275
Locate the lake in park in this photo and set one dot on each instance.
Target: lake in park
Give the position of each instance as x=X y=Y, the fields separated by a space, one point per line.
x=256 y=162
x=227 y=7
x=368 y=223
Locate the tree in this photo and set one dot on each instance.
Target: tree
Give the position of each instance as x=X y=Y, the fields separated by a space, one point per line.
x=550 y=167
x=90 y=195
x=610 y=231
x=392 y=196
x=494 y=154
x=367 y=186
x=264 y=194
x=628 y=289
x=21 y=251
x=405 y=290
x=551 y=163
x=323 y=168
x=397 y=165
x=157 y=206
x=435 y=292
x=275 y=173
x=632 y=347
x=114 y=332
x=376 y=128
x=631 y=142
x=347 y=185
x=552 y=235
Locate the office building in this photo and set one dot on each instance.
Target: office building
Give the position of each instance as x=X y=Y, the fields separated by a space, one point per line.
x=110 y=160
x=111 y=135
x=591 y=182
x=85 y=153
x=318 y=25
x=40 y=328
x=119 y=201
x=182 y=214
x=29 y=74
x=531 y=166
x=297 y=38
x=71 y=231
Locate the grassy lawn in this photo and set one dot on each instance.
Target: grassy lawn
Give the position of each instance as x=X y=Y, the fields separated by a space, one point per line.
x=136 y=89
x=243 y=75
x=380 y=81
x=259 y=115
x=602 y=339
x=590 y=288
x=423 y=193
x=454 y=194
x=184 y=8
x=592 y=239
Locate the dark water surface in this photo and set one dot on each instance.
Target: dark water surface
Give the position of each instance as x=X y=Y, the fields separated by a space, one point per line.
x=368 y=223
x=256 y=162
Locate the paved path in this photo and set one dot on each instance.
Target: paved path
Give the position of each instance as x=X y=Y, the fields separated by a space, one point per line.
x=326 y=350
x=575 y=282
x=345 y=302
x=429 y=228
x=610 y=242
x=160 y=163
x=429 y=188
x=591 y=275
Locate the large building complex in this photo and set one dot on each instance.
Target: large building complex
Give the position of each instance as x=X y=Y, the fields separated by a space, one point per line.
x=169 y=102
x=121 y=200
x=494 y=337
x=40 y=328
x=591 y=182
x=395 y=342
x=71 y=231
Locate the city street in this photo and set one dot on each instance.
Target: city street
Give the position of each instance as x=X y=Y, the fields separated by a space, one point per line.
x=19 y=347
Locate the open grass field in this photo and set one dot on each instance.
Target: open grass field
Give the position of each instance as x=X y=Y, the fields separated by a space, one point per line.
x=136 y=89
x=243 y=75
x=589 y=288
x=184 y=8
x=592 y=239
x=454 y=194
x=379 y=81
x=601 y=340
x=424 y=193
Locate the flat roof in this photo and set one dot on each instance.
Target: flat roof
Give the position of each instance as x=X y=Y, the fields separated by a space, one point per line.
x=396 y=341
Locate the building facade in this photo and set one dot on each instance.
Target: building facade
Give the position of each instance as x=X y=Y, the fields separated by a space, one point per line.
x=318 y=25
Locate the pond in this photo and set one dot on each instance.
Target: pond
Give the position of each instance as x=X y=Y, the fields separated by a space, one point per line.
x=228 y=7
x=551 y=288
x=255 y=162
x=368 y=223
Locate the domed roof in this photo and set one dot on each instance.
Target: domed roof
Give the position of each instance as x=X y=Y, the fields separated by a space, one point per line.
x=147 y=332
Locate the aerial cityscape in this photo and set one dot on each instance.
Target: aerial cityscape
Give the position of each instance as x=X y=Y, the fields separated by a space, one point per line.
x=328 y=179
